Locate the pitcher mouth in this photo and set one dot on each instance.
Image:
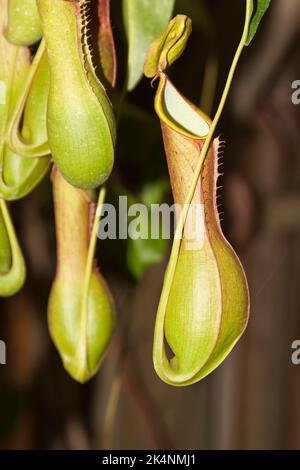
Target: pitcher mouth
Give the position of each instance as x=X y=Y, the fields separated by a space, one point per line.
x=179 y=113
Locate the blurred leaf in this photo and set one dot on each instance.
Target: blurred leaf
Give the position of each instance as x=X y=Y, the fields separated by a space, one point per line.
x=106 y=42
x=154 y=192
x=144 y=21
x=142 y=253
x=262 y=6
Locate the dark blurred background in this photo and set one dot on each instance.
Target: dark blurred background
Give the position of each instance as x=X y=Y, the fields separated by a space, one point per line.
x=251 y=400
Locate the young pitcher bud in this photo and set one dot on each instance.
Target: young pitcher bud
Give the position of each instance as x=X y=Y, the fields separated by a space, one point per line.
x=206 y=309
x=80 y=320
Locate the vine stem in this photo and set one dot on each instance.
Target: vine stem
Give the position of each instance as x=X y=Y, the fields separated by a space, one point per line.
x=183 y=215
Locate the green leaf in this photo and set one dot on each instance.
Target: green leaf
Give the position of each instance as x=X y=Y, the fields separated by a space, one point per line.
x=144 y=21
x=143 y=253
x=262 y=6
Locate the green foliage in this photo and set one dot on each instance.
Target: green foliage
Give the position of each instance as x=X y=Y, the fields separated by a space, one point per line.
x=143 y=253
x=262 y=6
x=144 y=21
